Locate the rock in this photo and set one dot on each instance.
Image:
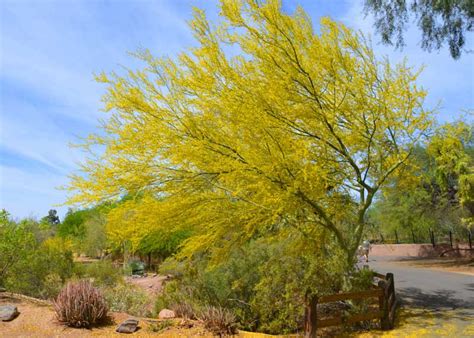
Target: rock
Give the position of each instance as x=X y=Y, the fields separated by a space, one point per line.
x=166 y=314
x=8 y=312
x=3 y=290
x=154 y=275
x=128 y=326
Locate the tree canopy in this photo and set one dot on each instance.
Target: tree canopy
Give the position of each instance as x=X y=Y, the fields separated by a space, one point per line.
x=440 y=22
x=263 y=124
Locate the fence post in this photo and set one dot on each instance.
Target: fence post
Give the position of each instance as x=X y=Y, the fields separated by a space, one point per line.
x=311 y=317
x=470 y=239
x=431 y=237
x=413 y=236
x=451 y=238
x=396 y=237
x=383 y=305
x=381 y=236
x=391 y=305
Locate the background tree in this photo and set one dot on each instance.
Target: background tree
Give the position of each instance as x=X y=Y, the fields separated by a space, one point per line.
x=52 y=218
x=440 y=22
x=429 y=194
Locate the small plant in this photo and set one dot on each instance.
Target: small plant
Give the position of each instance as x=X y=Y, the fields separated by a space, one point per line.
x=161 y=325
x=80 y=304
x=218 y=320
x=52 y=286
x=184 y=310
x=104 y=273
x=128 y=298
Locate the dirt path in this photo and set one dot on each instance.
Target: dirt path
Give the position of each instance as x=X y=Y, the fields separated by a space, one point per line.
x=152 y=284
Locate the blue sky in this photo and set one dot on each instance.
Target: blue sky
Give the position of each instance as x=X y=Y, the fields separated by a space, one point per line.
x=50 y=49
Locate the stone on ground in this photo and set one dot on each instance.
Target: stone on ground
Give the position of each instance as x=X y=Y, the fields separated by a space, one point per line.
x=8 y=312
x=128 y=326
x=166 y=314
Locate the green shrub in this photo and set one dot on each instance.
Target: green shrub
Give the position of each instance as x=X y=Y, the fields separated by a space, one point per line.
x=16 y=246
x=103 y=273
x=161 y=325
x=80 y=304
x=51 y=262
x=263 y=283
x=52 y=286
x=128 y=298
x=361 y=280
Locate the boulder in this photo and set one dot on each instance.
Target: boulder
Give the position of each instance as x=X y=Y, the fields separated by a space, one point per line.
x=166 y=314
x=128 y=326
x=8 y=312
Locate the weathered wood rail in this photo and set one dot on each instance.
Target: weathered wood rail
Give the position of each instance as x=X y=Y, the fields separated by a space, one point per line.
x=383 y=292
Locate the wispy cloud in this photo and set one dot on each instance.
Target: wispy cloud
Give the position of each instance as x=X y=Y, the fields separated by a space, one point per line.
x=49 y=51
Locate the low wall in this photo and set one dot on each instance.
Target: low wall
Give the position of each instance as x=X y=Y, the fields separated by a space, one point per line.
x=419 y=250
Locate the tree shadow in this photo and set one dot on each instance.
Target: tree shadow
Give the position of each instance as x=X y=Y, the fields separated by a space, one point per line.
x=437 y=300
x=470 y=286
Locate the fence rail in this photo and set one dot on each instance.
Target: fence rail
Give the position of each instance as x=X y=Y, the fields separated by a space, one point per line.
x=384 y=292
x=451 y=237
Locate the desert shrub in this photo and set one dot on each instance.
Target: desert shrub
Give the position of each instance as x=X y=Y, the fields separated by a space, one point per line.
x=263 y=283
x=103 y=273
x=218 y=320
x=52 y=286
x=128 y=298
x=16 y=245
x=184 y=310
x=290 y=272
x=180 y=298
x=80 y=304
x=161 y=325
x=95 y=237
x=361 y=280
x=43 y=272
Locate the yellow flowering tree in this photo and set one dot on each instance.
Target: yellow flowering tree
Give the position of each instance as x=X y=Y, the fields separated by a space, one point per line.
x=264 y=123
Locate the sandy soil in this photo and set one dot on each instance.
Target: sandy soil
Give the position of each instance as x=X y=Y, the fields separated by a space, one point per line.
x=40 y=321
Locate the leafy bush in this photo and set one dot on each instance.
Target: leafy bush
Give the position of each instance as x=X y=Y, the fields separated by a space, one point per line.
x=361 y=280
x=16 y=245
x=103 y=273
x=263 y=283
x=52 y=286
x=218 y=320
x=80 y=304
x=43 y=271
x=128 y=298
x=161 y=325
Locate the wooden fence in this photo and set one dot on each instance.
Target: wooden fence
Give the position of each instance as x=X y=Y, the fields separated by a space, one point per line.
x=383 y=292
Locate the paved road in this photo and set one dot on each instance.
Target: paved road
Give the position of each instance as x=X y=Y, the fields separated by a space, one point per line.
x=430 y=289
